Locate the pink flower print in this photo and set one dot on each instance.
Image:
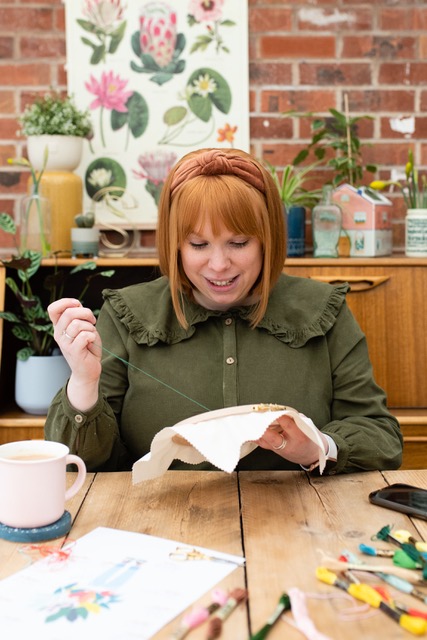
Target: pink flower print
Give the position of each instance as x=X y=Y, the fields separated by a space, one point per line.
x=110 y=94
x=206 y=10
x=103 y=14
x=158 y=32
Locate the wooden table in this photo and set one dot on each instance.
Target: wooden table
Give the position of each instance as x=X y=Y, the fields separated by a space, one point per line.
x=282 y=522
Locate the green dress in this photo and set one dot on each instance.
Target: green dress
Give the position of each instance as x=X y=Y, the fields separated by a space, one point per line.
x=308 y=352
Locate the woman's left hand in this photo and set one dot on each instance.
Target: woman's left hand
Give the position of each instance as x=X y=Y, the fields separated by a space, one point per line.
x=286 y=439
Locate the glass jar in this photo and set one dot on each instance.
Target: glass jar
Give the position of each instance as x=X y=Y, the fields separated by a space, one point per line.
x=35 y=224
x=326 y=223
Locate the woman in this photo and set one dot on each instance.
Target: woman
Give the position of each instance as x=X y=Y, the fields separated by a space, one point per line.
x=222 y=327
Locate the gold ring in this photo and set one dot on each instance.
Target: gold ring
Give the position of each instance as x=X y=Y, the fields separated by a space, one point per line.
x=282 y=445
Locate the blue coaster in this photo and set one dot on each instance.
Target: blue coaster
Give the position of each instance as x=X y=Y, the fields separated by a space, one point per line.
x=38 y=534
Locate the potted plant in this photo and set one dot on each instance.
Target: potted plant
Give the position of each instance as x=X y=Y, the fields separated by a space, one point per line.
x=296 y=199
x=55 y=121
x=31 y=323
x=336 y=133
x=414 y=193
x=85 y=237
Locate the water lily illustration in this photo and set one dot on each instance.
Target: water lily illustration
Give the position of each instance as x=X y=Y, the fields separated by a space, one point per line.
x=154 y=168
x=227 y=134
x=210 y=14
x=103 y=20
x=205 y=90
x=110 y=94
x=157 y=44
x=104 y=173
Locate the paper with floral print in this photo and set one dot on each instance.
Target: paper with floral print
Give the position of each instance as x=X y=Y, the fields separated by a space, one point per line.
x=112 y=584
x=160 y=79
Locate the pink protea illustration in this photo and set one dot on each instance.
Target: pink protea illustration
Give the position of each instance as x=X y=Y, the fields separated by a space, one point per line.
x=158 y=32
x=154 y=167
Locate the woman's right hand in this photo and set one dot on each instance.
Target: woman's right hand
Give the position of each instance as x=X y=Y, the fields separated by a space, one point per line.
x=75 y=333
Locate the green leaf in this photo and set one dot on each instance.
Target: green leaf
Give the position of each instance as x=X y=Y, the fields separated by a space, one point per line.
x=174 y=115
x=98 y=54
x=117 y=37
x=89 y=43
x=149 y=63
x=22 y=332
x=25 y=353
x=138 y=114
x=86 y=25
x=7 y=223
x=161 y=78
x=180 y=45
x=10 y=317
x=86 y=266
x=201 y=107
x=135 y=43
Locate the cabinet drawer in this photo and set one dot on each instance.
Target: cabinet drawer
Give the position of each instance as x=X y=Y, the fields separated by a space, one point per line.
x=390 y=306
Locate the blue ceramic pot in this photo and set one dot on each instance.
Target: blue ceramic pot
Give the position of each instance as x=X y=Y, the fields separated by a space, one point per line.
x=295 y=227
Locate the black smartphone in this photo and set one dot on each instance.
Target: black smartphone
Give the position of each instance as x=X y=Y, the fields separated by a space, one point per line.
x=402 y=497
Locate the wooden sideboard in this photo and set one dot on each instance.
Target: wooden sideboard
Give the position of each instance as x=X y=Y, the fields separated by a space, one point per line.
x=388 y=297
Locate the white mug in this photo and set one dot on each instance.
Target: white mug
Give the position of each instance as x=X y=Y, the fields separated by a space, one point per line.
x=33 y=482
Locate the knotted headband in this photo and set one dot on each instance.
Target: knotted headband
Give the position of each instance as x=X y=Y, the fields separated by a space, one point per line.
x=218 y=162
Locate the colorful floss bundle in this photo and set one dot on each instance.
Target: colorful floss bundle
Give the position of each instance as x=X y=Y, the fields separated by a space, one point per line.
x=215 y=624
x=199 y=615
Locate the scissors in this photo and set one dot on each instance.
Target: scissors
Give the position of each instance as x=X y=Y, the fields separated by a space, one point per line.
x=185 y=554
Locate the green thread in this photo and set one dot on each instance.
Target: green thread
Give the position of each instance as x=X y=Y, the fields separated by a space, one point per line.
x=168 y=386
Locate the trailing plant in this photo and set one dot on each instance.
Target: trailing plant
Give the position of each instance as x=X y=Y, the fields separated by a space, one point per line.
x=31 y=323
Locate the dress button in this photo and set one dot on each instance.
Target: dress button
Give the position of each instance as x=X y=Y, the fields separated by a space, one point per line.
x=230 y=360
x=228 y=321
x=78 y=418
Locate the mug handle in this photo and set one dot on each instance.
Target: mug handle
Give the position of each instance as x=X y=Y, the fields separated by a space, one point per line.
x=78 y=482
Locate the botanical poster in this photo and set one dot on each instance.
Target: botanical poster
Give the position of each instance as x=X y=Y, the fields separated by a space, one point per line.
x=160 y=79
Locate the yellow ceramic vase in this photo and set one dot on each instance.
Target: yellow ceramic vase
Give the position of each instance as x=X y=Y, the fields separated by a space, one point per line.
x=64 y=189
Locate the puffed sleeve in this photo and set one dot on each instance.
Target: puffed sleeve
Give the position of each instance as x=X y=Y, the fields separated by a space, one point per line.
x=93 y=435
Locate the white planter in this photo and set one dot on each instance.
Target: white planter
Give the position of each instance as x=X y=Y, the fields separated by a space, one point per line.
x=416 y=233
x=85 y=242
x=37 y=380
x=64 y=152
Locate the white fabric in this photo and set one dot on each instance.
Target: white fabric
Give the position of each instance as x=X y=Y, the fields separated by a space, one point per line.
x=220 y=437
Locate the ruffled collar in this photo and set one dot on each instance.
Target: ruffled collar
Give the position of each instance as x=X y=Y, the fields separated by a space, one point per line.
x=299 y=309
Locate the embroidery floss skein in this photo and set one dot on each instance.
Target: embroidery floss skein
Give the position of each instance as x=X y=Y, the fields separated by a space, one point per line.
x=199 y=615
x=215 y=625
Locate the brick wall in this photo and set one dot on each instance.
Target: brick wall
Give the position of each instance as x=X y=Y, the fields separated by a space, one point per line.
x=303 y=56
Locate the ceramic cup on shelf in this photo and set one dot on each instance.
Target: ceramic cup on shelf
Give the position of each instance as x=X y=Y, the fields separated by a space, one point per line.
x=416 y=233
x=33 y=482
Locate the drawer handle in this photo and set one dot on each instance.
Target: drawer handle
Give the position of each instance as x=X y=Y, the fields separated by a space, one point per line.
x=357 y=283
